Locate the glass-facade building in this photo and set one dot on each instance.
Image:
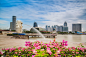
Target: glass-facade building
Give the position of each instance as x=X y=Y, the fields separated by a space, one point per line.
x=35 y=24
x=65 y=29
x=65 y=23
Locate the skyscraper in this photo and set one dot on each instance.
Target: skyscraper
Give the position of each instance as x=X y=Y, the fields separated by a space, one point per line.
x=13 y=23
x=61 y=28
x=65 y=23
x=35 y=24
x=65 y=28
x=46 y=28
x=76 y=27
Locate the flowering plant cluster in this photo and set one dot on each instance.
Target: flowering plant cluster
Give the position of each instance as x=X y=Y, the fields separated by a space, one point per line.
x=40 y=49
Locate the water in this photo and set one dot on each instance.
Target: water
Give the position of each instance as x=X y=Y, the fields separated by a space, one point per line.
x=37 y=31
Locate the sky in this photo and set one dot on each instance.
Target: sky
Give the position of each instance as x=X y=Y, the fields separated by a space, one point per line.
x=44 y=12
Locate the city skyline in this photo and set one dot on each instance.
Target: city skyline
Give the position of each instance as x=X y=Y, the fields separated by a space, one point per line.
x=49 y=12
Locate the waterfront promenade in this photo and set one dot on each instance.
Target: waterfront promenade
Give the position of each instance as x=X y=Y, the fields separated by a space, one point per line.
x=9 y=42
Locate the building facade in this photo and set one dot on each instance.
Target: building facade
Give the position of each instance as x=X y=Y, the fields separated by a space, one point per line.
x=46 y=28
x=76 y=27
x=35 y=24
x=65 y=28
x=13 y=23
x=65 y=23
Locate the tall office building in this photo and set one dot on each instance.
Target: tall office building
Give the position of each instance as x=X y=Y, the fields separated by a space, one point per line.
x=11 y=26
x=13 y=23
x=65 y=23
x=76 y=27
x=35 y=24
x=65 y=28
x=46 y=28
x=61 y=28
x=49 y=29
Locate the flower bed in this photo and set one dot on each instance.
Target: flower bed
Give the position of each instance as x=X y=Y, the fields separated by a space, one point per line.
x=40 y=49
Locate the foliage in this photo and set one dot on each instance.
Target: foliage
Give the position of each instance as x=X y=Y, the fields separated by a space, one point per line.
x=13 y=30
x=62 y=32
x=12 y=34
x=40 y=49
x=28 y=32
x=45 y=32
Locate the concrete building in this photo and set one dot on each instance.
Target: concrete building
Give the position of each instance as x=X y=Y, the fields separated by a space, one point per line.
x=76 y=27
x=48 y=28
x=35 y=24
x=13 y=23
x=11 y=28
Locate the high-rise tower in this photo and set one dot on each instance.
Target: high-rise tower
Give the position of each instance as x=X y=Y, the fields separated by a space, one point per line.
x=35 y=24
x=65 y=28
x=13 y=23
x=65 y=23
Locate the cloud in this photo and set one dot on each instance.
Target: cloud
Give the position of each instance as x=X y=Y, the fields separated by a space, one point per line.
x=3 y=22
x=49 y=12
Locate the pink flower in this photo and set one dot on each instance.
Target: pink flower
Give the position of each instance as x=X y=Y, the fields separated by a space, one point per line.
x=7 y=49
x=54 y=49
x=64 y=43
x=69 y=49
x=47 y=45
x=26 y=44
x=33 y=55
x=34 y=51
x=1 y=53
x=20 y=52
x=77 y=52
x=42 y=49
x=38 y=47
x=49 y=51
x=58 y=51
x=19 y=48
x=23 y=49
x=15 y=52
x=74 y=48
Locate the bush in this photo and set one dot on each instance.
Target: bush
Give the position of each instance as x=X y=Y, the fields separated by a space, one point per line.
x=45 y=32
x=12 y=34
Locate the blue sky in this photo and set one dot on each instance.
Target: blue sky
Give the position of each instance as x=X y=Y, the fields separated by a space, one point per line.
x=44 y=12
